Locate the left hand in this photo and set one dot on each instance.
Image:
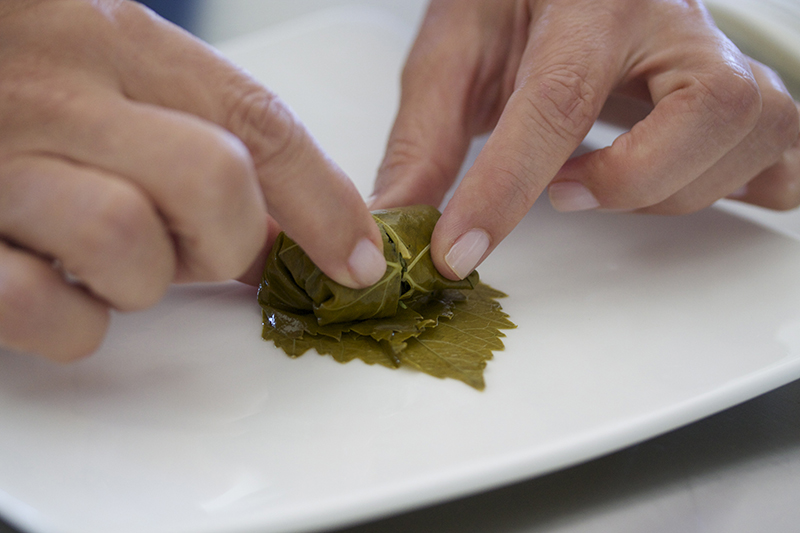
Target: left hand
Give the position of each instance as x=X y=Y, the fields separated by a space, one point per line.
x=132 y=156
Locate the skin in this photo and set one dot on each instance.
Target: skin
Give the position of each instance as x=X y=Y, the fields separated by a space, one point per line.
x=133 y=156
x=707 y=121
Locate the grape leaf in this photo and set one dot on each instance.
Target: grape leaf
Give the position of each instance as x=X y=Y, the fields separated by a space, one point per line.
x=412 y=317
x=459 y=346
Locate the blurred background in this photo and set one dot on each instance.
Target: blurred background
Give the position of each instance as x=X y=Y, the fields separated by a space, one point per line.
x=216 y=21
x=764 y=29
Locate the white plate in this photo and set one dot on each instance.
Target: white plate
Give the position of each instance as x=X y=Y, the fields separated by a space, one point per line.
x=767 y=30
x=187 y=422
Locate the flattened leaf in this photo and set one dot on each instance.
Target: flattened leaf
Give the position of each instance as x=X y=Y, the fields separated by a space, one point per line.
x=459 y=347
x=345 y=349
x=406 y=321
x=456 y=345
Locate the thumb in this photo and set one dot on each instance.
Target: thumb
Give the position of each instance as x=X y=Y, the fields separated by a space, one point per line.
x=305 y=192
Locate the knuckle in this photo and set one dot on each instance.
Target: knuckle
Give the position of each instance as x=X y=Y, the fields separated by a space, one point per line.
x=266 y=125
x=786 y=193
x=224 y=171
x=780 y=121
x=54 y=104
x=113 y=250
x=565 y=100
x=224 y=191
x=32 y=96
x=732 y=97
x=514 y=187
x=30 y=295
x=635 y=192
x=118 y=218
x=622 y=186
x=129 y=266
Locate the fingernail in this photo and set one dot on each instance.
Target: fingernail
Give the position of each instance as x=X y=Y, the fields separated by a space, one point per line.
x=571 y=196
x=463 y=257
x=367 y=264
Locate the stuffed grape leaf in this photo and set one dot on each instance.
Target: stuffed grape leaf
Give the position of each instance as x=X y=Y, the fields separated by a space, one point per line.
x=412 y=317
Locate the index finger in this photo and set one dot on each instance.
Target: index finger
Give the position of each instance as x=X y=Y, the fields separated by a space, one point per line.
x=306 y=192
x=564 y=79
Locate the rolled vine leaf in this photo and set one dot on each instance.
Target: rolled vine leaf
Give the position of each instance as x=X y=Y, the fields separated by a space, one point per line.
x=413 y=316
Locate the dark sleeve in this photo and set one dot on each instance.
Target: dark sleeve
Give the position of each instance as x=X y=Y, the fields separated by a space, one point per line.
x=181 y=12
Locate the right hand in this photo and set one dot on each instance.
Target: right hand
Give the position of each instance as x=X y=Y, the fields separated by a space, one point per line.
x=132 y=156
x=537 y=73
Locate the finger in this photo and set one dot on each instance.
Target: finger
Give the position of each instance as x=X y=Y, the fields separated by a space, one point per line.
x=102 y=230
x=305 y=191
x=561 y=87
x=777 y=187
x=319 y=207
x=252 y=276
x=452 y=89
x=41 y=313
x=199 y=176
x=774 y=133
x=706 y=104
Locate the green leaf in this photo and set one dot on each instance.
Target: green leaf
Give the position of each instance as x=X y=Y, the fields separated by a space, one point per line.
x=459 y=346
x=412 y=317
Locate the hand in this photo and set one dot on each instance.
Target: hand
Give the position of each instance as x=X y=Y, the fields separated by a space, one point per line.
x=131 y=156
x=539 y=73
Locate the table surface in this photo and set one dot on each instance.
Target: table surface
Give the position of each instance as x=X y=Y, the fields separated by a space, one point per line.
x=737 y=471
